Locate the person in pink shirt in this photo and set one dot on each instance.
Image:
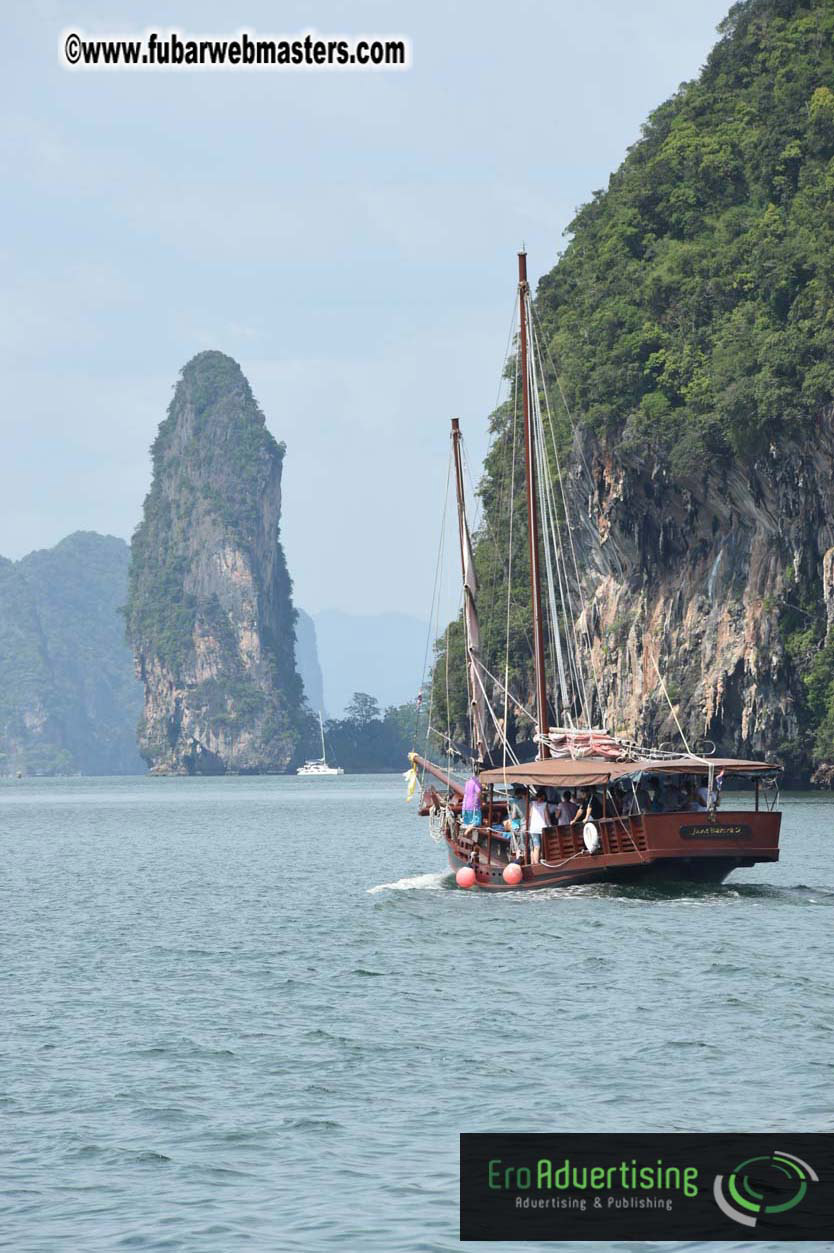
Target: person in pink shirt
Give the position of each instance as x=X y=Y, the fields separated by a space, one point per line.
x=471 y=812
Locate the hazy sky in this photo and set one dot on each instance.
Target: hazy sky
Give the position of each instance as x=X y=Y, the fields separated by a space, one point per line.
x=349 y=238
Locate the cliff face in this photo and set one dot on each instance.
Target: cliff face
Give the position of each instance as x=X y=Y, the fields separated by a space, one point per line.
x=699 y=577
x=210 y=613
x=69 y=699
x=688 y=322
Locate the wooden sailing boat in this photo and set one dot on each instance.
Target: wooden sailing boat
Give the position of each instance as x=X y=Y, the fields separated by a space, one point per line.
x=623 y=837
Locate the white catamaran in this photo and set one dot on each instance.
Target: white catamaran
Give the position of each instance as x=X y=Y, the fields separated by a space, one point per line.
x=319 y=767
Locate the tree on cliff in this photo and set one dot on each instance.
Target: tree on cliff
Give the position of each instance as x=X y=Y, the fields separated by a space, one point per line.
x=691 y=322
x=366 y=740
x=209 y=611
x=362 y=709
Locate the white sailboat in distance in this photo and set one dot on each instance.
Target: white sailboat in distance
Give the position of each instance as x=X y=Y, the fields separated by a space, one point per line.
x=320 y=766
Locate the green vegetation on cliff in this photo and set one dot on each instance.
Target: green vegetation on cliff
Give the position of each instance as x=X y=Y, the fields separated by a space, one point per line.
x=691 y=317
x=69 y=698
x=209 y=609
x=223 y=459
x=693 y=310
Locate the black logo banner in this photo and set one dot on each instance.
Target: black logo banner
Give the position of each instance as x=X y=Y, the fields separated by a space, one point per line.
x=646 y=1187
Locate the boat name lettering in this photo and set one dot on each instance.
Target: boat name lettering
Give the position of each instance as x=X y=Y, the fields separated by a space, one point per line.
x=717 y=831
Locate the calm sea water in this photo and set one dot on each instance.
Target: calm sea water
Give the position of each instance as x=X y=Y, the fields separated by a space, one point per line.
x=255 y=1013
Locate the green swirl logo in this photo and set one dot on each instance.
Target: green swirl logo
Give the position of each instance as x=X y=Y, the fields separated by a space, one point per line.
x=762 y=1186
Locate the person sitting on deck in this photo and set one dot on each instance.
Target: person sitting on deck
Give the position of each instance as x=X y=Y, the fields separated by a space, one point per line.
x=705 y=797
x=471 y=811
x=617 y=801
x=639 y=801
x=656 y=805
x=565 y=810
x=677 y=797
x=539 y=821
x=691 y=803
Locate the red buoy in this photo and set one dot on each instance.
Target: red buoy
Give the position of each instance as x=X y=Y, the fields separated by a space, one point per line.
x=465 y=877
x=512 y=873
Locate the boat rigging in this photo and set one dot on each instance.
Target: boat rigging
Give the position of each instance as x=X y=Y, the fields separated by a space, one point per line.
x=648 y=811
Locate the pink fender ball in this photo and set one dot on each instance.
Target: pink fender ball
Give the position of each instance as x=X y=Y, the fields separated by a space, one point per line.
x=512 y=873
x=465 y=877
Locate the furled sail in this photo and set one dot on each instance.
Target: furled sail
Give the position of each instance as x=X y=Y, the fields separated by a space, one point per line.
x=474 y=667
x=477 y=700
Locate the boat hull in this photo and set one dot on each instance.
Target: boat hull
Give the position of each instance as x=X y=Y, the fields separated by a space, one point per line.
x=653 y=848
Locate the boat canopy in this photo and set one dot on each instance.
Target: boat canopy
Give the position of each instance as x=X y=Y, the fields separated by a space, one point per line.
x=567 y=772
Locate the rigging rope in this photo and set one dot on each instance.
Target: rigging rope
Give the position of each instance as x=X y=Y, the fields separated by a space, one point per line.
x=510 y=574
x=584 y=615
x=434 y=612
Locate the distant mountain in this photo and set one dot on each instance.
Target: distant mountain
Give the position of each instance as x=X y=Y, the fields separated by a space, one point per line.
x=69 y=699
x=307 y=662
x=381 y=654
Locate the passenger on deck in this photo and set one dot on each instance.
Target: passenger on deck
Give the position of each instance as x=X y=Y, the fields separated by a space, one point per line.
x=677 y=798
x=539 y=821
x=471 y=811
x=565 y=811
x=618 y=801
x=516 y=810
x=656 y=805
x=590 y=806
x=691 y=804
x=703 y=793
x=639 y=802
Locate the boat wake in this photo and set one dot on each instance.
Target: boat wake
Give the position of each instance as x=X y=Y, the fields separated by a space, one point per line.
x=415 y=883
x=688 y=893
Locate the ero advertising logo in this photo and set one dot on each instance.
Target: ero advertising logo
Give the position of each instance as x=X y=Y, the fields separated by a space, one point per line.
x=647 y=1187
x=760 y=1186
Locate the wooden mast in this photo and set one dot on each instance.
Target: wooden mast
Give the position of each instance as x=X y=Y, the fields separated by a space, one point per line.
x=462 y=537
x=459 y=494
x=470 y=620
x=532 y=515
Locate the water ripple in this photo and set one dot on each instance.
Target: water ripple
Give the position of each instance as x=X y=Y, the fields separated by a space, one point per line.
x=212 y=1043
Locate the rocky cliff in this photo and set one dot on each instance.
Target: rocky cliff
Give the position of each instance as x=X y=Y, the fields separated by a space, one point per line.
x=209 y=613
x=69 y=700
x=689 y=361
x=722 y=581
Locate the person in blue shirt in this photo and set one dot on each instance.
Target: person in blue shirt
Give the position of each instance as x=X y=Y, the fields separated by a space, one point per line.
x=517 y=810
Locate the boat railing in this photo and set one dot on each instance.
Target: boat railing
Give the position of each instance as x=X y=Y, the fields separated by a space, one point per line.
x=623 y=834
x=617 y=835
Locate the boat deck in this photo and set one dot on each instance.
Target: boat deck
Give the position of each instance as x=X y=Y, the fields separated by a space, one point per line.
x=692 y=845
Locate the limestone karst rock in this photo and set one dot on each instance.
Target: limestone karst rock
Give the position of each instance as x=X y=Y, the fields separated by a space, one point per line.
x=69 y=700
x=210 y=614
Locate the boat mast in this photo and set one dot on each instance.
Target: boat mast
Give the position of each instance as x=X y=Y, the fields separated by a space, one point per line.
x=477 y=712
x=532 y=514
x=321 y=728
